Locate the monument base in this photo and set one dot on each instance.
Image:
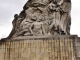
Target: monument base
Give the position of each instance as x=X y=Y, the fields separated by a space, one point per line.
x=62 y=47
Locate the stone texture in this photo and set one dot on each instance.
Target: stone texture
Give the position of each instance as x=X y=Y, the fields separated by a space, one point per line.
x=45 y=48
x=41 y=32
x=43 y=17
x=77 y=43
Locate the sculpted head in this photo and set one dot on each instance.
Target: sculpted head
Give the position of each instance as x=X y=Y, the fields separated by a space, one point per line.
x=16 y=15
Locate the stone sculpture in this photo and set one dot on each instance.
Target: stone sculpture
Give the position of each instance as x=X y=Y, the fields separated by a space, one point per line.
x=43 y=17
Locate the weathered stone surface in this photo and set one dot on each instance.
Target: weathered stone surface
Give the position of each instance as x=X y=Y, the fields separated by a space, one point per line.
x=77 y=44
x=43 y=17
x=41 y=32
x=37 y=48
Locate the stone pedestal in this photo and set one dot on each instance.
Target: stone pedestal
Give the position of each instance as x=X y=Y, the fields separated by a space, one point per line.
x=62 y=47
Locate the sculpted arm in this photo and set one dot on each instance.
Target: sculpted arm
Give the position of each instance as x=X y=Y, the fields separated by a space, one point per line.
x=43 y=29
x=30 y=28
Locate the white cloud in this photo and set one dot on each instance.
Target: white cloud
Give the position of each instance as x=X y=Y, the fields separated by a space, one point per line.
x=5 y=30
x=7 y=11
x=75 y=15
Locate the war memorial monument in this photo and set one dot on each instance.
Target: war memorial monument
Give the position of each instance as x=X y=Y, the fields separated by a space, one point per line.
x=41 y=31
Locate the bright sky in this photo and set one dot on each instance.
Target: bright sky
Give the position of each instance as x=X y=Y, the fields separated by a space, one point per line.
x=10 y=7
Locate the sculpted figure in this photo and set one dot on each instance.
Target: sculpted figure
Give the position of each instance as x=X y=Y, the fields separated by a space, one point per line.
x=18 y=22
x=38 y=3
x=66 y=19
x=25 y=27
x=57 y=10
x=65 y=23
x=54 y=10
x=43 y=17
x=55 y=5
x=66 y=7
x=14 y=26
x=37 y=27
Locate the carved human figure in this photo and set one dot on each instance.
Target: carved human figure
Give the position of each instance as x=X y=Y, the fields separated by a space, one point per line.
x=65 y=23
x=43 y=17
x=37 y=27
x=25 y=27
x=14 y=26
x=54 y=10
x=66 y=19
x=37 y=3
x=55 y=4
x=32 y=11
x=58 y=9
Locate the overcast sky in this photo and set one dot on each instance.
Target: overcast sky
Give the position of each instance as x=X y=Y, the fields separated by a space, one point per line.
x=10 y=7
